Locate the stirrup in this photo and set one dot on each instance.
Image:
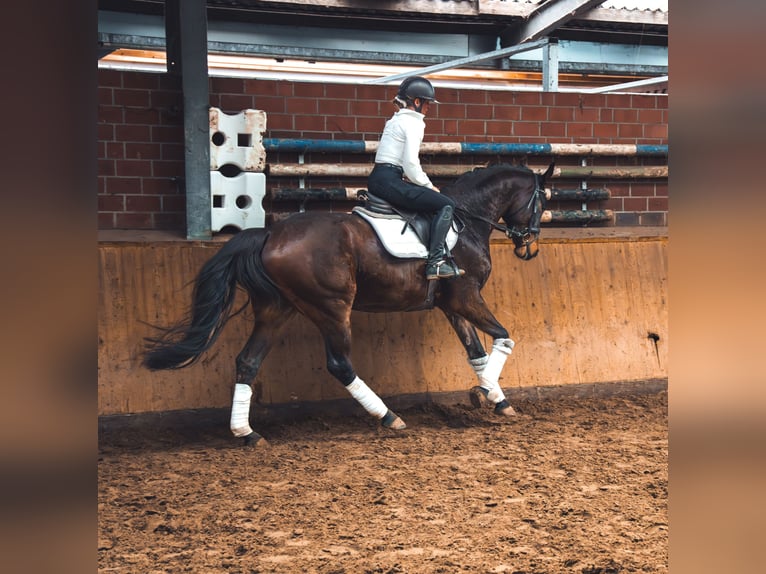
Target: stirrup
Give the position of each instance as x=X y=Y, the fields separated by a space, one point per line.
x=443 y=270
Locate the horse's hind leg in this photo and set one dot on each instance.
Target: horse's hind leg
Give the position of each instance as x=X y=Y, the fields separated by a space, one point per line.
x=268 y=323
x=488 y=388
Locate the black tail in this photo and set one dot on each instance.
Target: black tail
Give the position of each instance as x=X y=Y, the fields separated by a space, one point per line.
x=215 y=289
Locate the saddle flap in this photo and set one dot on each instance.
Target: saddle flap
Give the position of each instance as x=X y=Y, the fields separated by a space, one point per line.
x=399 y=236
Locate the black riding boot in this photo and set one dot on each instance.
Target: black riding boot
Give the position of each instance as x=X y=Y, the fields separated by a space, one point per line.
x=437 y=266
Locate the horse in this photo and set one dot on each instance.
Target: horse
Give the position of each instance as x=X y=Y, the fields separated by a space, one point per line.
x=325 y=264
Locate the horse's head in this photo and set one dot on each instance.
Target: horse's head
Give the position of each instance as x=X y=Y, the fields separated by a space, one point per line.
x=523 y=217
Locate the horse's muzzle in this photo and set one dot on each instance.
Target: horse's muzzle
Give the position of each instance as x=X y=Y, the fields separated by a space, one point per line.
x=527 y=247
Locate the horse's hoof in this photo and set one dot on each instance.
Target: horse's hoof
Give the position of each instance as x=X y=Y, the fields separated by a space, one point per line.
x=392 y=421
x=254 y=440
x=478 y=396
x=504 y=408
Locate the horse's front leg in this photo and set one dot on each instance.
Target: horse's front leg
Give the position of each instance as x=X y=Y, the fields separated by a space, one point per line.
x=487 y=367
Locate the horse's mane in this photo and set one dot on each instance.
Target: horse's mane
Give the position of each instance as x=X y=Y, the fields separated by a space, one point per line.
x=479 y=177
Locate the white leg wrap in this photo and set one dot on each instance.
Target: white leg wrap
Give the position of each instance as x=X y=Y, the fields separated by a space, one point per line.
x=479 y=364
x=240 y=410
x=371 y=402
x=490 y=375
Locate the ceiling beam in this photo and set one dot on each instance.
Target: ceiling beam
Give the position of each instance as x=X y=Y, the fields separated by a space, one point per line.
x=503 y=52
x=547 y=17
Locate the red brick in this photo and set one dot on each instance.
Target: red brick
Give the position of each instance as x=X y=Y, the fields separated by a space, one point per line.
x=457 y=111
x=105 y=96
x=110 y=78
x=106 y=221
x=472 y=97
x=276 y=121
x=142 y=151
x=167 y=99
x=626 y=116
x=310 y=123
x=597 y=101
x=167 y=169
x=548 y=99
x=605 y=130
x=141 y=116
x=374 y=93
x=631 y=130
x=160 y=186
x=553 y=129
x=634 y=203
x=471 y=127
x=170 y=151
x=526 y=98
x=606 y=115
x=560 y=114
x=234 y=103
x=657 y=132
x=285 y=88
x=171 y=221
x=105 y=132
x=111 y=203
x=532 y=114
x=165 y=133
x=133 y=168
x=642 y=190
x=365 y=108
x=333 y=107
x=658 y=204
x=110 y=114
x=370 y=125
x=479 y=112
x=132 y=133
x=131 y=98
x=309 y=90
x=643 y=101
x=270 y=105
x=650 y=116
x=142 y=203
x=105 y=167
x=616 y=101
x=525 y=129
x=227 y=85
x=259 y=87
x=499 y=128
x=301 y=106
x=173 y=203
x=133 y=221
x=578 y=130
x=142 y=80
x=123 y=185
x=115 y=150
x=567 y=99
x=587 y=115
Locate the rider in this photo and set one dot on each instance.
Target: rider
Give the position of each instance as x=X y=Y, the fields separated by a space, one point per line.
x=398 y=158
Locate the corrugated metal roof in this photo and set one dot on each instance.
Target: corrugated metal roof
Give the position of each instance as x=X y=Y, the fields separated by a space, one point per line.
x=651 y=5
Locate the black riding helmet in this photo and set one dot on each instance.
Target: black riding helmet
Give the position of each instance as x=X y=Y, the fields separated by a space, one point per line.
x=416 y=87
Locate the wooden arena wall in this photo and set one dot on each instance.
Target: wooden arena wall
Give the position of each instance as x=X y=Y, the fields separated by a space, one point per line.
x=591 y=308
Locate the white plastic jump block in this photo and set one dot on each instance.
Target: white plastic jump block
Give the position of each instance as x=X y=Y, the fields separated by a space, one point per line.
x=237 y=201
x=237 y=139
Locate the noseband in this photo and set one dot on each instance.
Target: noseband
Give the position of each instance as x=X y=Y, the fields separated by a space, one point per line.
x=529 y=233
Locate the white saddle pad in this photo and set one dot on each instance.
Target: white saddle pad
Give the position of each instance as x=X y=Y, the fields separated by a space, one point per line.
x=389 y=230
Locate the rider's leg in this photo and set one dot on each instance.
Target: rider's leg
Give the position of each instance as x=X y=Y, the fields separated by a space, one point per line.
x=437 y=266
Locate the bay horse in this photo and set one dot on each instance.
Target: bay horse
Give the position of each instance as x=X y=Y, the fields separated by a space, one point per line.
x=324 y=265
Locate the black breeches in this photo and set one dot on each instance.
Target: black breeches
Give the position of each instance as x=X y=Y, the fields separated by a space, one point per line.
x=386 y=182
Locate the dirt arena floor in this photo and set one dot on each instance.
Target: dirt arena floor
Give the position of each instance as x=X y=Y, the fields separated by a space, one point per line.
x=568 y=486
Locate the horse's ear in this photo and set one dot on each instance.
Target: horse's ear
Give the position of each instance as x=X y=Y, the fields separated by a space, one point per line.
x=549 y=172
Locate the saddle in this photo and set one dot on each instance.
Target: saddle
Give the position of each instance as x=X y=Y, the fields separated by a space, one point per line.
x=404 y=234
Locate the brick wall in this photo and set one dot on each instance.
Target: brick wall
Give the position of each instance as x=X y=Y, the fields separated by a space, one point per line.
x=141 y=147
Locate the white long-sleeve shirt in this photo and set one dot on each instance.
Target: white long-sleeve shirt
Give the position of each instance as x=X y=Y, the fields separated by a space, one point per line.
x=400 y=145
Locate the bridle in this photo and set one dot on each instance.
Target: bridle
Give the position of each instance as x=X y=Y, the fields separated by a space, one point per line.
x=524 y=236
